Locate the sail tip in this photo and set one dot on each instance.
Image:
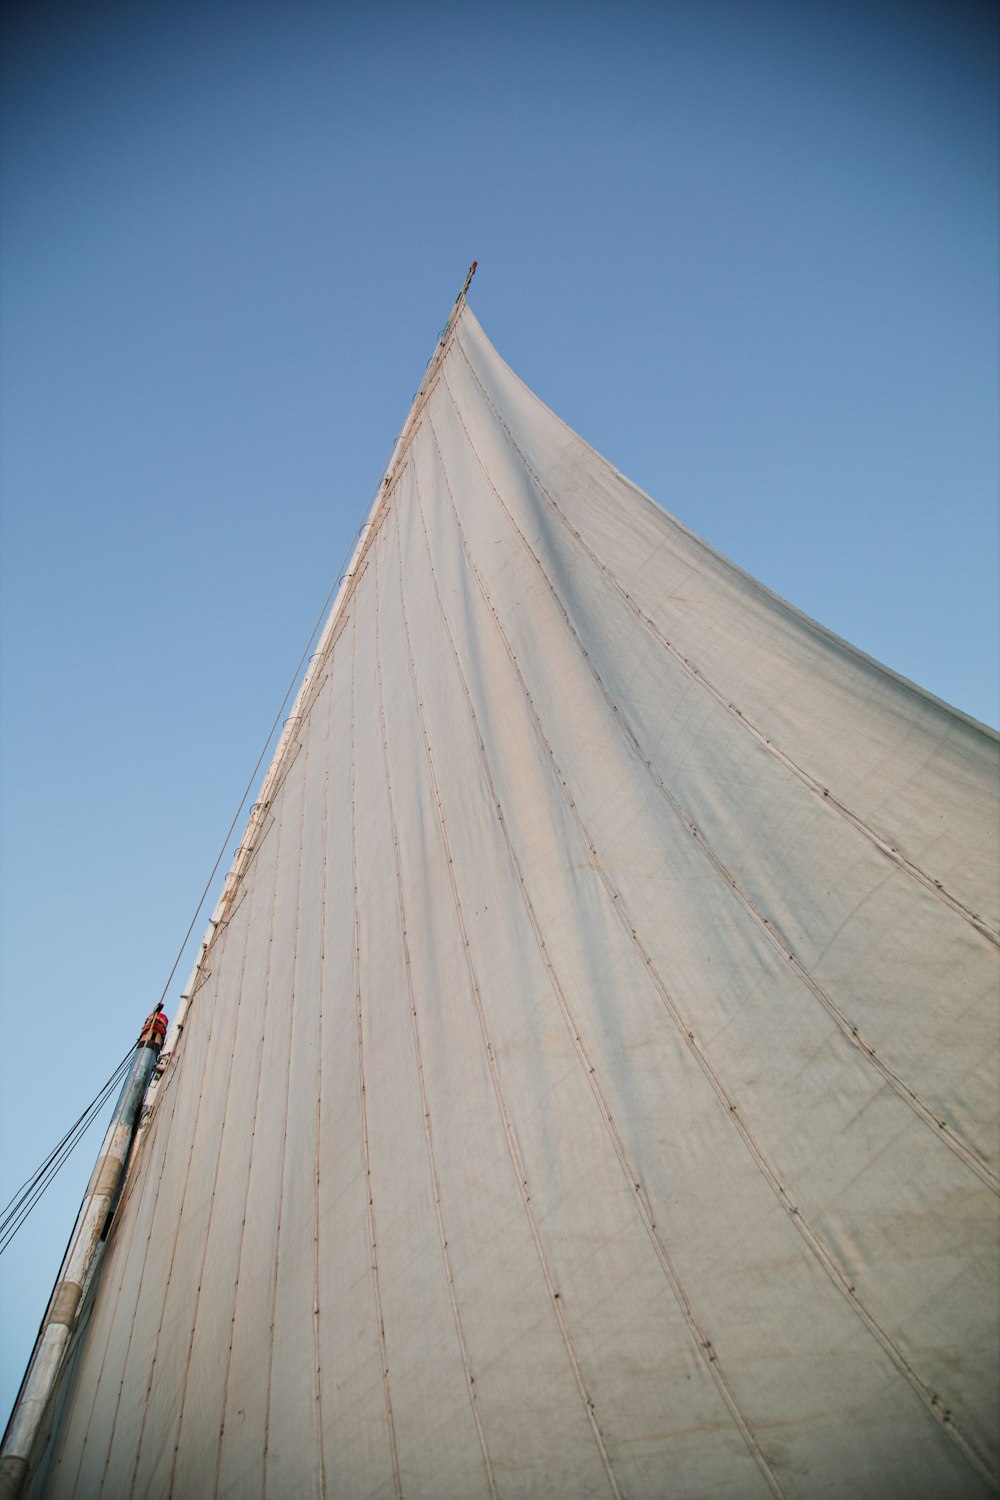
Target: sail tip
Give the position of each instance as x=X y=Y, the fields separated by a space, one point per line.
x=468 y=281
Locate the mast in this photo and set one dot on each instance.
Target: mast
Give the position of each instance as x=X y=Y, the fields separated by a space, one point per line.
x=76 y=1275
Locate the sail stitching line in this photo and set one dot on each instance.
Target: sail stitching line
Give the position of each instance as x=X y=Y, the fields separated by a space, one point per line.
x=704 y=1346
x=547 y=1273
x=470 y=1380
x=317 y=1340
x=276 y=1254
x=929 y=1397
x=824 y=795
x=215 y=1180
x=939 y=1127
x=170 y=1265
x=166 y=1285
x=157 y=1203
x=246 y=1191
x=366 y=1159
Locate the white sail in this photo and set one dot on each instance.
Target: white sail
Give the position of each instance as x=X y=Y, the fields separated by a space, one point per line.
x=590 y=1088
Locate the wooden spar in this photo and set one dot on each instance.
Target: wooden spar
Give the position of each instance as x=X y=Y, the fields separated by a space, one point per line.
x=76 y=1273
x=259 y=811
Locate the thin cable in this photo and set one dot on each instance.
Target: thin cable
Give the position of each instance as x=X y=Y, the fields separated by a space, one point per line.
x=27 y=1196
x=118 y=1073
x=270 y=735
x=452 y=317
x=12 y=1229
x=24 y=1201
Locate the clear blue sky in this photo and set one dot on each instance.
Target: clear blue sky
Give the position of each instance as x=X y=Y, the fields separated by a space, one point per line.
x=749 y=250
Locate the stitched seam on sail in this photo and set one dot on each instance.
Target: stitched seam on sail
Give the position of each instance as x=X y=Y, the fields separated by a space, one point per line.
x=246 y=1198
x=418 y=1058
x=317 y=1160
x=230 y=1073
x=276 y=1253
x=936 y=889
x=366 y=1159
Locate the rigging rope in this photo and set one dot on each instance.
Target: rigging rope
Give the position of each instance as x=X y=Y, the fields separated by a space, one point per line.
x=319 y=621
x=24 y=1200
x=270 y=735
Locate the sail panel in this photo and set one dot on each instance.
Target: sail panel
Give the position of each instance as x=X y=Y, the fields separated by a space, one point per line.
x=792 y=680
x=591 y=1087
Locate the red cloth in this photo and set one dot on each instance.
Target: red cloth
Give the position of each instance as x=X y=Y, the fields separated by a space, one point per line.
x=154 y=1029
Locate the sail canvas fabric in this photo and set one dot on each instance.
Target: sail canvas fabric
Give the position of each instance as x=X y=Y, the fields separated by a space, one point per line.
x=590 y=1088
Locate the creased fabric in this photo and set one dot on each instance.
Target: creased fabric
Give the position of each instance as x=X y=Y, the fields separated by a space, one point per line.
x=592 y=1088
